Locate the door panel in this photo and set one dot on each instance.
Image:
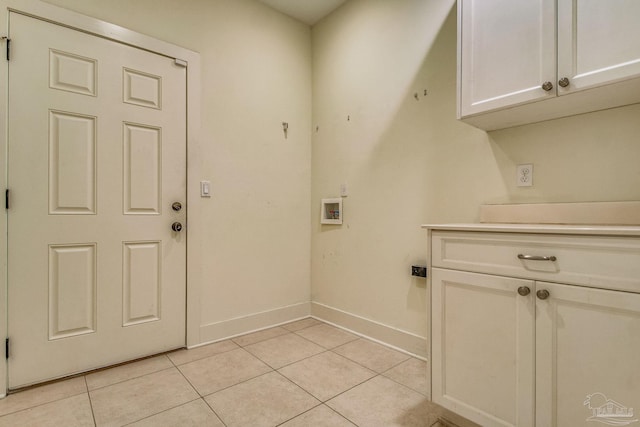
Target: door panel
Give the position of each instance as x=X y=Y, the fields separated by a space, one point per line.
x=72 y=290
x=97 y=155
x=587 y=343
x=72 y=163
x=141 y=282
x=482 y=347
x=499 y=71
x=142 y=169
x=598 y=42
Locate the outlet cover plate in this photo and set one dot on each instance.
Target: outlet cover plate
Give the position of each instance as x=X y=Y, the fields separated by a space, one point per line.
x=524 y=175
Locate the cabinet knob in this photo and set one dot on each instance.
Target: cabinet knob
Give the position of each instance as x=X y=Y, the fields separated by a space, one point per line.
x=547 y=86
x=563 y=82
x=524 y=291
x=542 y=294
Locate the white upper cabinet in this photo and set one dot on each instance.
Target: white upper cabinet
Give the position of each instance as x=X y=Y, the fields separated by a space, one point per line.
x=518 y=58
x=598 y=43
x=507 y=50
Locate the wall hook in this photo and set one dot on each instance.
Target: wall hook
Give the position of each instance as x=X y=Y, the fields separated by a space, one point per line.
x=285 y=128
x=415 y=95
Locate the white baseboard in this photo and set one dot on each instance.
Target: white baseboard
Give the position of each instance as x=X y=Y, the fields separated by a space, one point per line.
x=225 y=329
x=402 y=340
x=390 y=336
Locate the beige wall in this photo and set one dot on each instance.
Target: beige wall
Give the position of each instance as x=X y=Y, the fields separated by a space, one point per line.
x=256 y=73
x=407 y=162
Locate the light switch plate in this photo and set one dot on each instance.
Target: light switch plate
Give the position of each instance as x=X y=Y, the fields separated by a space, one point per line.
x=205 y=188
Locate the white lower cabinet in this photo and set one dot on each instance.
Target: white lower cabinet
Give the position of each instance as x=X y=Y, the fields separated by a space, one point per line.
x=587 y=356
x=521 y=352
x=483 y=347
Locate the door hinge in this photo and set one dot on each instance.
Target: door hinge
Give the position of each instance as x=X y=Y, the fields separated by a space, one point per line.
x=6 y=199
x=8 y=46
x=6 y=348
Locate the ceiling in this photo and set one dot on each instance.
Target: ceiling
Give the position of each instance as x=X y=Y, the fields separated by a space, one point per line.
x=307 y=11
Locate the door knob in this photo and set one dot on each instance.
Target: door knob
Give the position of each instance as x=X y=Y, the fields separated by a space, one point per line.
x=524 y=291
x=547 y=86
x=563 y=82
x=176 y=206
x=542 y=294
x=176 y=226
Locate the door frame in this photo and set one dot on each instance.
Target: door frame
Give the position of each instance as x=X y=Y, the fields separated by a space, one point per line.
x=56 y=15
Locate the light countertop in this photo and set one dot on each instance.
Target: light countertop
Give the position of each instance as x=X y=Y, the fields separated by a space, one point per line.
x=600 y=230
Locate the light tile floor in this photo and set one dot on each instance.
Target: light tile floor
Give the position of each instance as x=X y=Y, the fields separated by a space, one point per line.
x=305 y=373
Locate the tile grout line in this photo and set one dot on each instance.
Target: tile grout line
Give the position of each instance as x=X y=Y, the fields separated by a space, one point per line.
x=41 y=404
x=132 y=378
x=350 y=388
x=279 y=336
x=232 y=385
x=205 y=357
x=281 y=325
x=376 y=374
x=398 y=382
x=343 y=392
x=324 y=350
x=324 y=402
x=200 y=396
x=308 y=393
x=161 y=412
x=359 y=364
x=300 y=414
x=189 y=382
x=300 y=387
x=213 y=410
x=286 y=331
x=93 y=414
x=238 y=383
x=173 y=364
x=328 y=349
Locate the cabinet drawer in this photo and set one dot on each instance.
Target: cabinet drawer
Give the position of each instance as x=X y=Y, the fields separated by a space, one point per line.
x=594 y=261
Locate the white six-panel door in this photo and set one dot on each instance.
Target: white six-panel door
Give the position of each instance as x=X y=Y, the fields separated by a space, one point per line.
x=96 y=159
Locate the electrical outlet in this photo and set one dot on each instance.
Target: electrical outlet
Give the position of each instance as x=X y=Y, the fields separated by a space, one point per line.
x=418 y=271
x=524 y=175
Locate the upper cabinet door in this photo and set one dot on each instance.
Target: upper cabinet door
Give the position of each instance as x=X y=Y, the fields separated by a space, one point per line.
x=507 y=52
x=598 y=42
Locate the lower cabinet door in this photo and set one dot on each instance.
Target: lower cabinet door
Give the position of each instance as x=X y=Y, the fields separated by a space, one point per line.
x=587 y=357
x=483 y=347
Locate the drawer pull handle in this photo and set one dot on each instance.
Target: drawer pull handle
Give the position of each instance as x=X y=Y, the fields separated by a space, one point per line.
x=537 y=258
